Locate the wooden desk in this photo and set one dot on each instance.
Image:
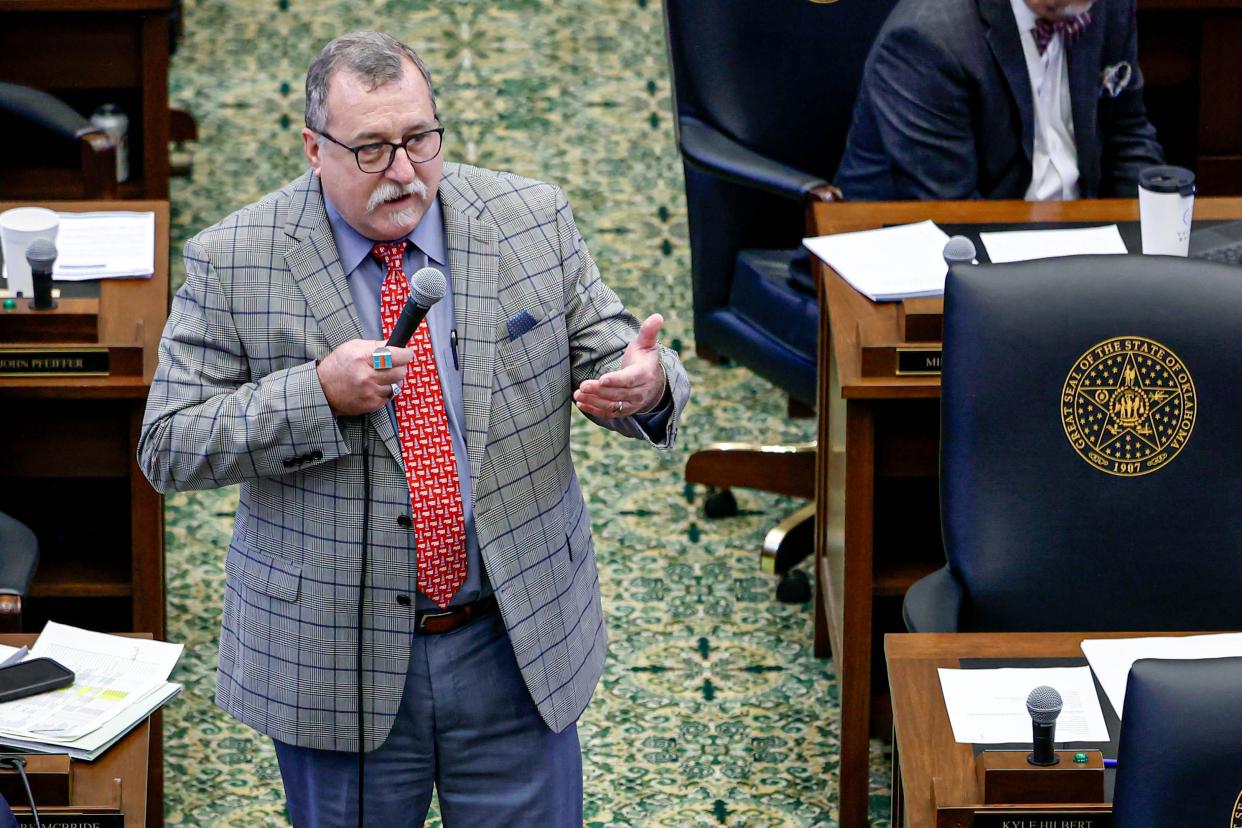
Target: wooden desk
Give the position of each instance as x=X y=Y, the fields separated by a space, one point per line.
x=87 y=53
x=69 y=470
x=126 y=760
x=877 y=467
x=923 y=746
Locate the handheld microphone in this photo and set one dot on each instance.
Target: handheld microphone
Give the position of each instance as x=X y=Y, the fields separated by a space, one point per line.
x=959 y=249
x=41 y=255
x=1044 y=705
x=427 y=287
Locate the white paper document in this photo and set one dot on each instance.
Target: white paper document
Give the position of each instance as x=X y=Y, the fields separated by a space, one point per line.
x=888 y=264
x=104 y=246
x=989 y=706
x=90 y=746
x=111 y=673
x=1023 y=245
x=1111 y=658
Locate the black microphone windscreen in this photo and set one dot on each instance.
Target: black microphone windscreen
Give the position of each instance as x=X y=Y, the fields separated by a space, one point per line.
x=959 y=249
x=1044 y=704
x=428 y=286
x=41 y=252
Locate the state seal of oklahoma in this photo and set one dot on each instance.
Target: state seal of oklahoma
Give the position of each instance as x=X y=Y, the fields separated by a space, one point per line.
x=1128 y=406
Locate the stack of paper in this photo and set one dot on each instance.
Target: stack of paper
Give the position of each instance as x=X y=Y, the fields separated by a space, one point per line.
x=888 y=264
x=104 y=246
x=118 y=682
x=1111 y=658
x=1024 y=245
x=989 y=706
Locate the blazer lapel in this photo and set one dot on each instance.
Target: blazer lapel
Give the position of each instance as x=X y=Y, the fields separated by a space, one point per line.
x=316 y=268
x=1006 y=45
x=1084 y=85
x=474 y=256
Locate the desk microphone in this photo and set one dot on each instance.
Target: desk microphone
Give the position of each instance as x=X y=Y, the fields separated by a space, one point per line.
x=959 y=249
x=41 y=255
x=427 y=287
x=1044 y=705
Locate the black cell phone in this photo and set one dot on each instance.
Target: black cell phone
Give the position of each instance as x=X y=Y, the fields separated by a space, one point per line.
x=35 y=675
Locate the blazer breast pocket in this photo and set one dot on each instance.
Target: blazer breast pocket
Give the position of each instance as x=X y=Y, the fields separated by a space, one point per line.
x=532 y=371
x=529 y=342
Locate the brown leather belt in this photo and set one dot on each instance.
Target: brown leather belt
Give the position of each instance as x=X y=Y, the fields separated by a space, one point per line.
x=435 y=622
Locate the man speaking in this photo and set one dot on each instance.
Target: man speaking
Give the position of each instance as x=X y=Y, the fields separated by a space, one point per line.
x=412 y=556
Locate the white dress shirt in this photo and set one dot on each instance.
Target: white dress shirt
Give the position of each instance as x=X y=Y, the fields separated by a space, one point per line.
x=1054 y=160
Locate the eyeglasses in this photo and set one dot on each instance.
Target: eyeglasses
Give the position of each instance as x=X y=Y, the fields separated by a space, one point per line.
x=377 y=157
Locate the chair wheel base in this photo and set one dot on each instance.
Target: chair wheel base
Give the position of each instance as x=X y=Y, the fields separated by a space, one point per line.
x=720 y=503
x=794 y=588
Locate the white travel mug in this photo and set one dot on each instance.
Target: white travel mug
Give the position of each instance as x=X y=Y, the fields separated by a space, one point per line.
x=1166 y=206
x=18 y=228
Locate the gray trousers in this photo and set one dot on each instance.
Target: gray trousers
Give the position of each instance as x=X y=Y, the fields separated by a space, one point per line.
x=468 y=727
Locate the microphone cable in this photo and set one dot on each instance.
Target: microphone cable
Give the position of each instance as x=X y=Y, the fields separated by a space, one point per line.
x=18 y=763
x=362 y=596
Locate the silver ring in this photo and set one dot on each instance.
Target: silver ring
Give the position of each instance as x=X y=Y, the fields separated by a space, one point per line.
x=396 y=389
x=381 y=358
x=617 y=409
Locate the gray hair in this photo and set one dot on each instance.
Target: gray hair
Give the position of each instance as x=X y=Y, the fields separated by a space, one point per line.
x=375 y=57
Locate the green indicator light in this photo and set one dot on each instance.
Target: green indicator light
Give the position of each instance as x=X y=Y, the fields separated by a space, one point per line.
x=1080 y=758
x=10 y=304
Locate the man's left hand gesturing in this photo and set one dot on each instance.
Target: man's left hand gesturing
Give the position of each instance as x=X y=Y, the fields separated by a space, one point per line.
x=637 y=387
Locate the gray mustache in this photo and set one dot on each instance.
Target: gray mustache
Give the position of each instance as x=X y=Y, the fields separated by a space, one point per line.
x=387 y=190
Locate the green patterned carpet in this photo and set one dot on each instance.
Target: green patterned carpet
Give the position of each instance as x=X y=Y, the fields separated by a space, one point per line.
x=712 y=711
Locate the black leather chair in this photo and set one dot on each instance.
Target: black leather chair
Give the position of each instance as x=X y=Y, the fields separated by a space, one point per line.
x=1179 y=759
x=1091 y=454
x=88 y=149
x=19 y=556
x=763 y=94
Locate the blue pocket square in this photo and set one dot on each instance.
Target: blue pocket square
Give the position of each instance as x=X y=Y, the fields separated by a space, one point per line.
x=520 y=323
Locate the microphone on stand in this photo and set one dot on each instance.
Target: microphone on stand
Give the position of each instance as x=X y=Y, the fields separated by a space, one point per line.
x=959 y=249
x=1044 y=705
x=427 y=286
x=41 y=255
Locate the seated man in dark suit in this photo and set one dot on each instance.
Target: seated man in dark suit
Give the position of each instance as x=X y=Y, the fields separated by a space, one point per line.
x=1035 y=99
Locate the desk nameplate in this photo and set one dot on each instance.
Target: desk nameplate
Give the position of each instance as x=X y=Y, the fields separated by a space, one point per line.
x=70 y=361
x=901 y=360
x=71 y=817
x=1031 y=818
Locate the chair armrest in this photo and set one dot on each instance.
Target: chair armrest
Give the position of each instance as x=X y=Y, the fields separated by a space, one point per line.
x=19 y=555
x=934 y=603
x=98 y=152
x=717 y=154
x=46 y=110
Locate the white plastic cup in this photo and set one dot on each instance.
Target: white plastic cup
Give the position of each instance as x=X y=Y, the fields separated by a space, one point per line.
x=18 y=228
x=1166 y=206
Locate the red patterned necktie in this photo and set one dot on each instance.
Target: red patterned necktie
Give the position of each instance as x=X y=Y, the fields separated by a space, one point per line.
x=1068 y=27
x=426 y=447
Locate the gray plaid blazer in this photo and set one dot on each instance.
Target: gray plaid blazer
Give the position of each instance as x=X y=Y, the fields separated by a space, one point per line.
x=236 y=400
